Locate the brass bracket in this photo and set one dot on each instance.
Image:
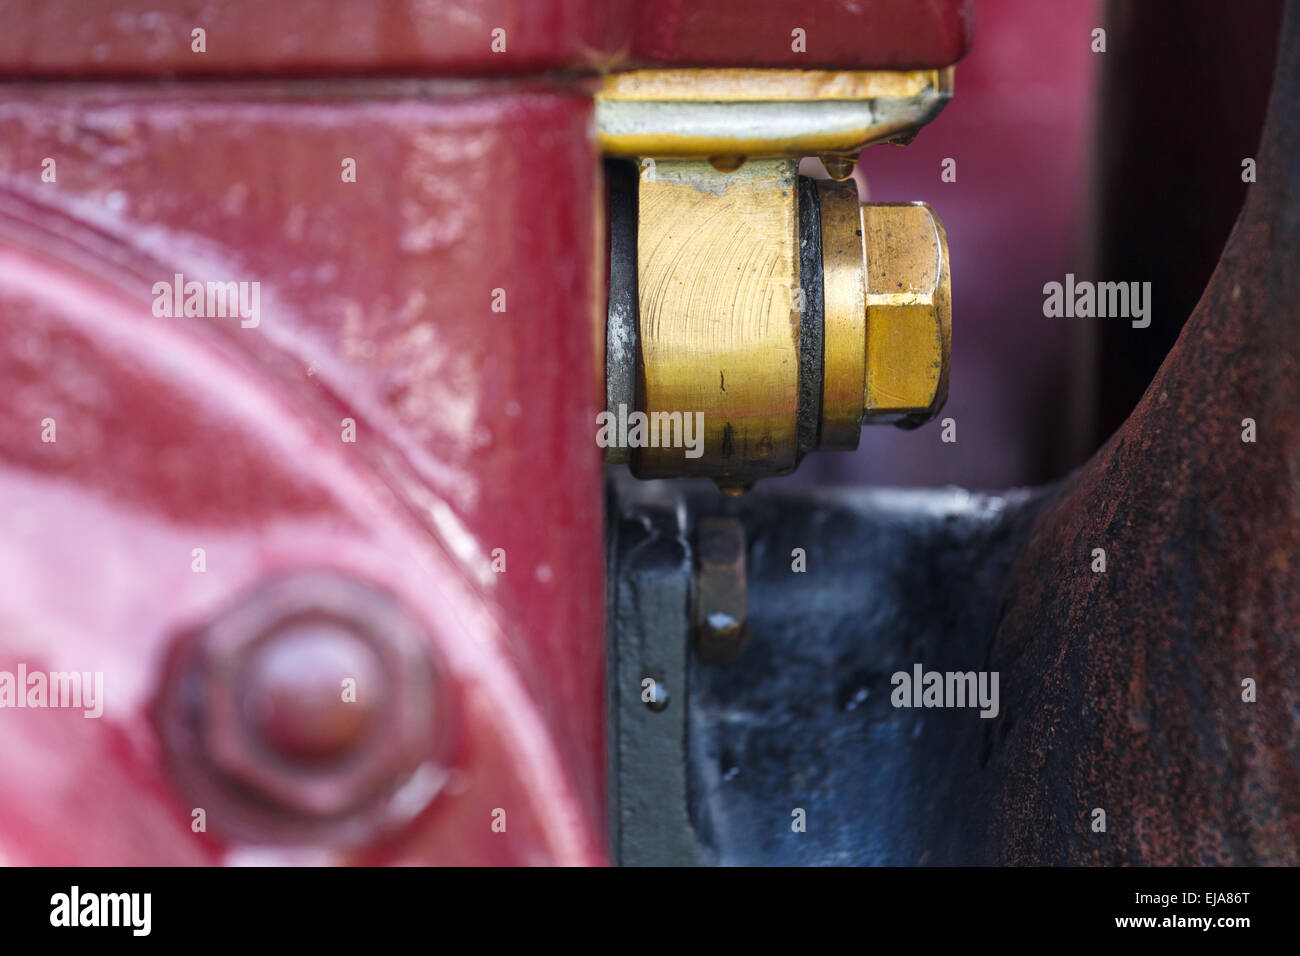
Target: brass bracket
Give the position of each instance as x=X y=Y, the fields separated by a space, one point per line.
x=702 y=114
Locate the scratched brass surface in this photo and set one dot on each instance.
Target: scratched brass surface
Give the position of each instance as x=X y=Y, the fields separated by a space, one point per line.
x=718 y=259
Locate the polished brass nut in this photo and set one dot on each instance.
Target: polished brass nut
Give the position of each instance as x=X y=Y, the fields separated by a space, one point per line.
x=888 y=314
x=909 y=313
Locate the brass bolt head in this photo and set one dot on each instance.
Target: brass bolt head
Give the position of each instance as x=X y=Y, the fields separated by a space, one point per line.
x=909 y=313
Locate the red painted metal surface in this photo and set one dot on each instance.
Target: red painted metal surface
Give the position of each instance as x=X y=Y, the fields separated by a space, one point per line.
x=473 y=433
x=242 y=37
x=874 y=34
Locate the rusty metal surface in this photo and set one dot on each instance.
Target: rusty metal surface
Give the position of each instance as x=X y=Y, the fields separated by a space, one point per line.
x=1129 y=683
x=119 y=38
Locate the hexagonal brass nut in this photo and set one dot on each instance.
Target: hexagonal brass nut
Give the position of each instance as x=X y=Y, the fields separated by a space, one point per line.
x=909 y=313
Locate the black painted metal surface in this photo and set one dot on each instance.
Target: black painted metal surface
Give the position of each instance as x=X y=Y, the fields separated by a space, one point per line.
x=649 y=587
x=803 y=721
x=621 y=336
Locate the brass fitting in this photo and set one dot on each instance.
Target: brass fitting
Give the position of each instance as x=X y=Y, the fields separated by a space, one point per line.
x=777 y=314
x=756 y=315
x=719 y=283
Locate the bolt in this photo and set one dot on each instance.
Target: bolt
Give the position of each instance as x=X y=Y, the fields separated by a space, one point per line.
x=303 y=706
x=658 y=697
x=909 y=313
x=719 y=610
x=296 y=699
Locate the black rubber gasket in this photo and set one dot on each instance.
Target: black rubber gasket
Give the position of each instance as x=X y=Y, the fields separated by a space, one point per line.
x=622 y=345
x=812 y=319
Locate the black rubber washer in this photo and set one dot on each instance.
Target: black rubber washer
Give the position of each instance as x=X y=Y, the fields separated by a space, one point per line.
x=812 y=319
x=622 y=343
